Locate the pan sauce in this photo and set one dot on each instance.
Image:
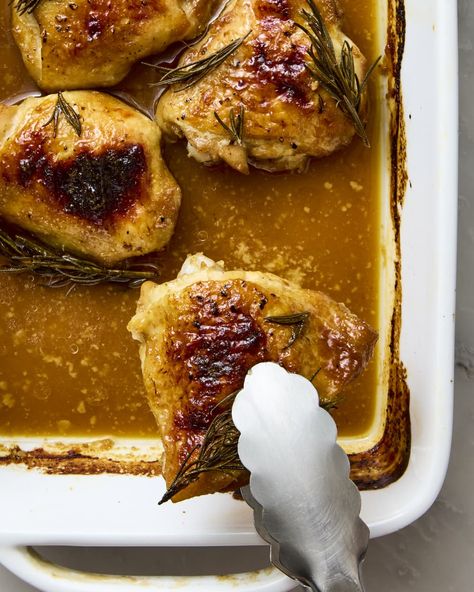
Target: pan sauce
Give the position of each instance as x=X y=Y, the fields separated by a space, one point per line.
x=68 y=366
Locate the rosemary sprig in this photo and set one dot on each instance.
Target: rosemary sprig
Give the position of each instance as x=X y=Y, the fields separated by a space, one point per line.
x=192 y=73
x=25 y=255
x=62 y=107
x=315 y=375
x=296 y=321
x=337 y=76
x=218 y=452
x=25 y=6
x=236 y=126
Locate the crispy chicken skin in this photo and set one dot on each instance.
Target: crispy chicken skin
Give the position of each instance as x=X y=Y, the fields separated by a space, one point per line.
x=288 y=116
x=106 y=195
x=93 y=43
x=201 y=333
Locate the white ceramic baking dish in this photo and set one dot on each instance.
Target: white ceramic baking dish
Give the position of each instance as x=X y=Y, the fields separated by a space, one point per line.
x=121 y=510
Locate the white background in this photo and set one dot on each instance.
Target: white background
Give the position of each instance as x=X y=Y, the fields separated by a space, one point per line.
x=436 y=554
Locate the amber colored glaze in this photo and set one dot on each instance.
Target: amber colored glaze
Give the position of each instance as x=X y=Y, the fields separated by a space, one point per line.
x=68 y=367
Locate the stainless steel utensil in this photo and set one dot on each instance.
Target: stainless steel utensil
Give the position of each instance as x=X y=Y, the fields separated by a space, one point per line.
x=304 y=503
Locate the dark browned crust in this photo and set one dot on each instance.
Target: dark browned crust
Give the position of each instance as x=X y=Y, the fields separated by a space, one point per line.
x=387 y=461
x=279 y=65
x=279 y=9
x=95 y=186
x=278 y=62
x=222 y=340
x=218 y=339
x=284 y=10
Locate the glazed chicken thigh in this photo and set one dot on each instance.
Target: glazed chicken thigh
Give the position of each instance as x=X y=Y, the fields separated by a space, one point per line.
x=287 y=115
x=201 y=333
x=93 y=43
x=98 y=188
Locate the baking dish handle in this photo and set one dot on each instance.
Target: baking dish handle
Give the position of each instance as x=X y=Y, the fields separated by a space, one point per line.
x=29 y=566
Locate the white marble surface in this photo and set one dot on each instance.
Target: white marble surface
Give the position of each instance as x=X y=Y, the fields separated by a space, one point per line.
x=436 y=554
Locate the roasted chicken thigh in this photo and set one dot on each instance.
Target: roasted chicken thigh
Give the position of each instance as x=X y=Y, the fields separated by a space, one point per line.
x=93 y=43
x=89 y=178
x=287 y=115
x=201 y=333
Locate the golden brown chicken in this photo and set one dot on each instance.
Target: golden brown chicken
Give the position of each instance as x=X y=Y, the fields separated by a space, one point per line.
x=93 y=182
x=201 y=333
x=91 y=43
x=288 y=116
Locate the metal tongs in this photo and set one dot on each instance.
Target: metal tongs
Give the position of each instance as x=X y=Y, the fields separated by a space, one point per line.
x=305 y=505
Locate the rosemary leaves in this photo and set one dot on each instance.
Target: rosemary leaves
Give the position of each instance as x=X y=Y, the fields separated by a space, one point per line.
x=297 y=322
x=192 y=73
x=218 y=451
x=25 y=6
x=27 y=255
x=62 y=107
x=235 y=129
x=337 y=76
